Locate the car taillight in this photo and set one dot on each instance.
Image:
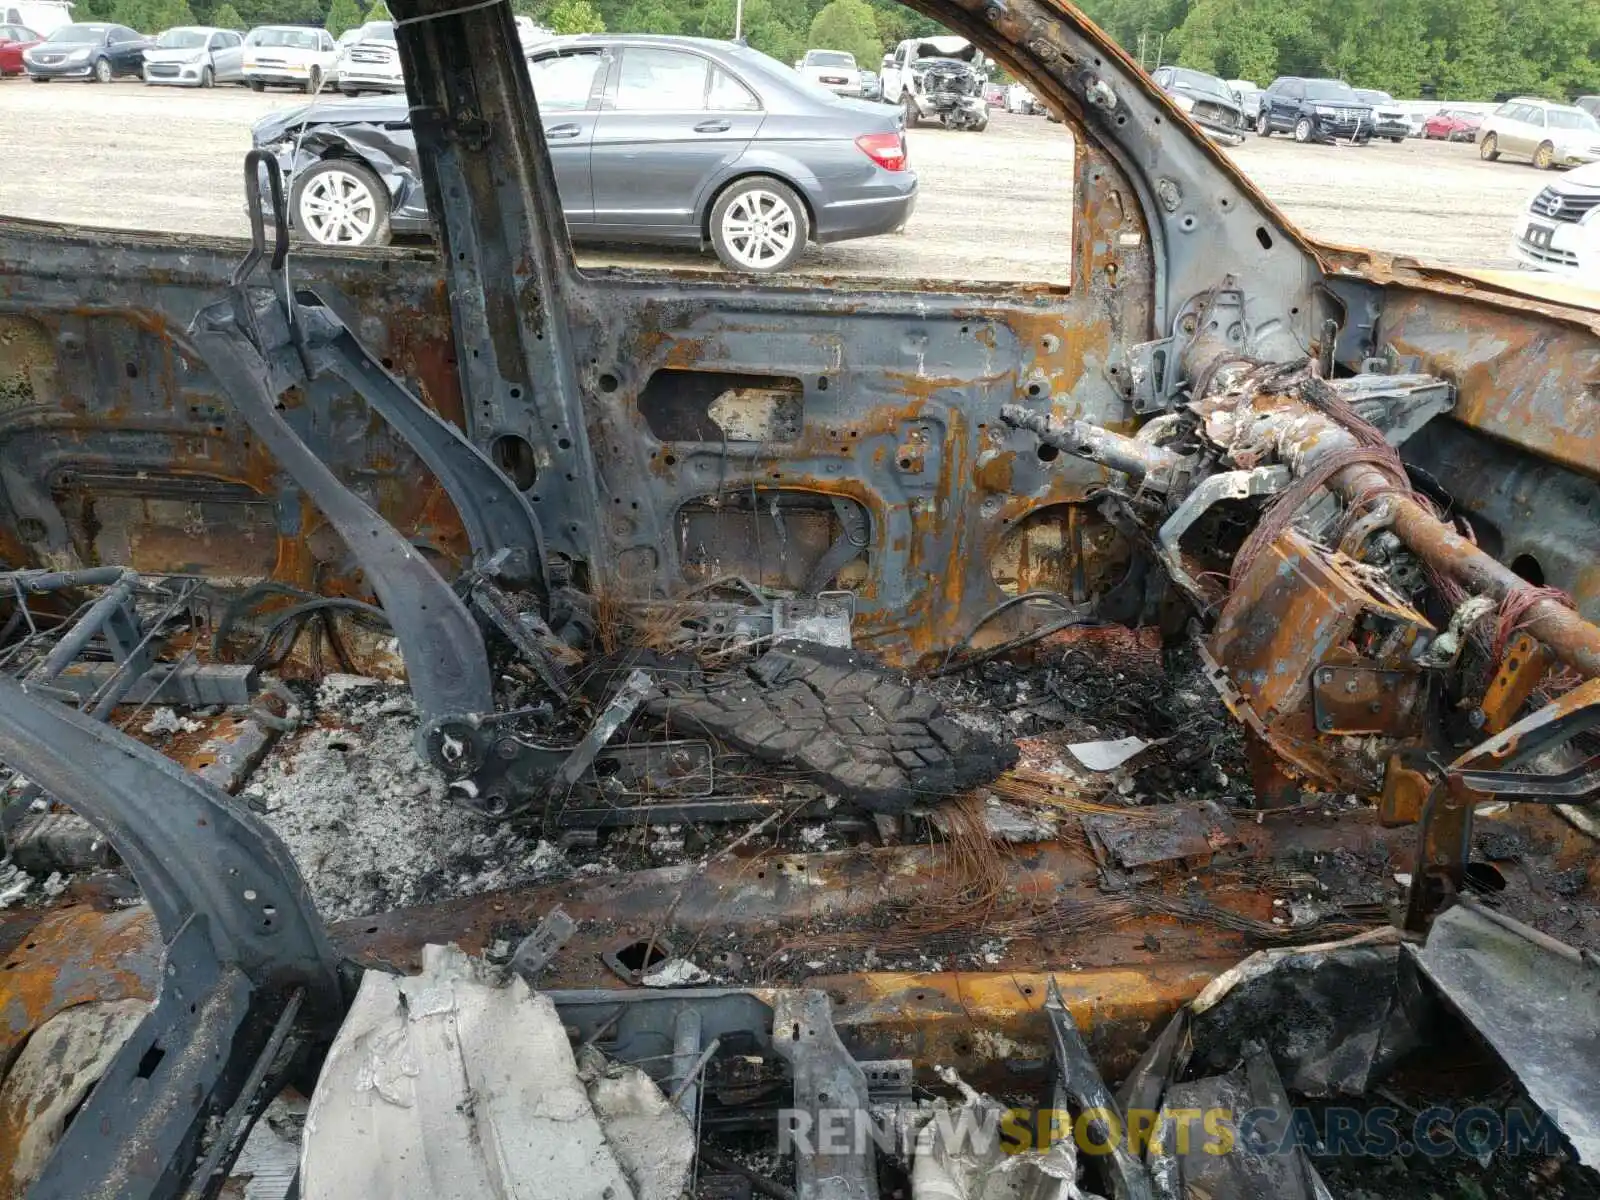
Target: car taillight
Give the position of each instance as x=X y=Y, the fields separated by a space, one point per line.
x=888 y=150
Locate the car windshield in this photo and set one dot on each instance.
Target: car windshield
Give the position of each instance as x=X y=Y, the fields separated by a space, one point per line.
x=1199 y=81
x=78 y=33
x=182 y=39
x=1573 y=118
x=378 y=31
x=1374 y=97
x=1328 y=89
x=830 y=58
x=298 y=39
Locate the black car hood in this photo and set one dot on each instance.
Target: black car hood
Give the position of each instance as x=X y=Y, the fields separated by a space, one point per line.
x=387 y=110
x=1228 y=100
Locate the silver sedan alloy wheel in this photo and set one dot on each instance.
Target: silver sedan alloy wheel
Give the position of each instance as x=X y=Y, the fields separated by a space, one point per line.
x=338 y=209
x=760 y=228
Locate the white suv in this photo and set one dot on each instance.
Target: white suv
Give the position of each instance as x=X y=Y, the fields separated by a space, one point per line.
x=833 y=69
x=1560 y=231
x=1547 y=135
x=369 y=61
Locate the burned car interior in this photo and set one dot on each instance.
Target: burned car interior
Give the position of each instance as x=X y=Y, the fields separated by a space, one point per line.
x=1170 y=690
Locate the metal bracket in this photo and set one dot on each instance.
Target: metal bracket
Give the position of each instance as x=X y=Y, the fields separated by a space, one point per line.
x=440 y=641
x=1227 y=485
x=498 y=518
x=1151 y=368
x=1354 y=698
x=1490 y=771
x=826 y=1080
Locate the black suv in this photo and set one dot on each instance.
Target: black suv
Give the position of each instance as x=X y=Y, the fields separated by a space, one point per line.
x=1314 y=110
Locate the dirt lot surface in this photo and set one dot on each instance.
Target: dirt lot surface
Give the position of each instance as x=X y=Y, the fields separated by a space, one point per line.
x=993 y=205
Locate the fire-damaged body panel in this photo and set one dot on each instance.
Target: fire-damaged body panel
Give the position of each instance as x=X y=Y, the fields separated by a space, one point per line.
x=821 y=625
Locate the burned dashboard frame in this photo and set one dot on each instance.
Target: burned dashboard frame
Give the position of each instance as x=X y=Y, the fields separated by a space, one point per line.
x=557 y=360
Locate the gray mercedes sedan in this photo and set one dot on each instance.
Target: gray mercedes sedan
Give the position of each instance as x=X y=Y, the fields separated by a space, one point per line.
x=683 y=141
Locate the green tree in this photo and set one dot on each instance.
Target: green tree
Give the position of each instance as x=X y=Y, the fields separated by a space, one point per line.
x=574 y=16
x=764 y=27
x=168 y=14
x=378 y=12
x=227 y=17
x=343 y=15
x=152 y=16
x=647 y=16
x=848 y=25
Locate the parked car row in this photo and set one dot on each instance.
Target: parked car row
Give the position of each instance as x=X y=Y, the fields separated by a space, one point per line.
x=668 y=140
x=302 y=57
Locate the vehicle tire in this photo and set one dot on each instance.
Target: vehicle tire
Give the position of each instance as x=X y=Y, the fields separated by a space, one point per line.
x=980 y=126
x=340 y=202
x=1263 y=128
x=1397 y=140
x=314 y=82
x=350 y=93
x=257 y=86
x=208 y=77
x=1303 y=130
x=759 y=225
x=1489 y=148
x=1544 y=158
x=39 y=78
x=908 y=110
x=102 y=70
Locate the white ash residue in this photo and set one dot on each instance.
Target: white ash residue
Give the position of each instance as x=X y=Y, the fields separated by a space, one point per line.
x=165 y=720
x=368 y=821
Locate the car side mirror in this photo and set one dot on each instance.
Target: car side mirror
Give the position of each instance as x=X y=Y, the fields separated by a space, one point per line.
x=888 y=60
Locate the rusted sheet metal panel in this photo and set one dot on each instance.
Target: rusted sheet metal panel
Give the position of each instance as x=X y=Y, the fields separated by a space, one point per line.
x=1300 y=612
x=118 y=446
x=76 y=954
x=1521 y=376
x=995 y=1023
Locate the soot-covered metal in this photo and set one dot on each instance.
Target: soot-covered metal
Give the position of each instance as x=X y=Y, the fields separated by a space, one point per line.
x=867 y=647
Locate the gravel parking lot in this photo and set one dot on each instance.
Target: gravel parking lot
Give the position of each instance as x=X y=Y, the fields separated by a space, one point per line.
x=993 y=205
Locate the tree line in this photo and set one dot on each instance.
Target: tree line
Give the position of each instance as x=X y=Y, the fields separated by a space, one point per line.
x=1452 y=49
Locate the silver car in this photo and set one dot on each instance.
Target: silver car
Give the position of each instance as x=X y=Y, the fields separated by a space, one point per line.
x=1547 y=135
x=669 y=140
x=195 y=56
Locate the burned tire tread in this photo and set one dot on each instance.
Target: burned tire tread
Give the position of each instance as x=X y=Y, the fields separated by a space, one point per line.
x=850 y=726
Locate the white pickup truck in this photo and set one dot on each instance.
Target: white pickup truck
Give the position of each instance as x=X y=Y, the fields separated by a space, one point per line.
x=937 y=79
x=832 y=69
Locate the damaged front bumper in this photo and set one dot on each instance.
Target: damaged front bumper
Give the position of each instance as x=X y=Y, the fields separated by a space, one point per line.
x=957 y=111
